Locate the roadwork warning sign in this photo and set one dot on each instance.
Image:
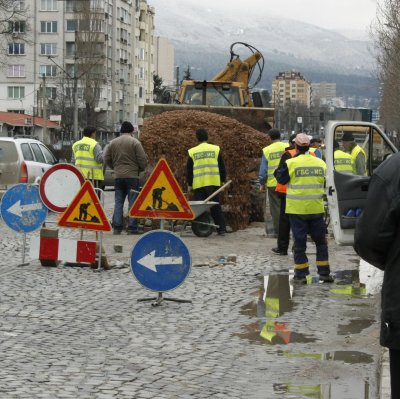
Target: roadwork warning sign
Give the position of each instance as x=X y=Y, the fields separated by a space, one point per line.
x=161 y=197
x=85 y=211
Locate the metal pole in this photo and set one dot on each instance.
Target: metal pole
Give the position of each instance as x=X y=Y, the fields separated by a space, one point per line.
x=76 y=137
x=44 y=99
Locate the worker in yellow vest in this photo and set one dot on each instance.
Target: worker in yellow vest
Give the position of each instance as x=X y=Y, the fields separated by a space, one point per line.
x=88 y=156
x=358 y=155
x=205 y=171
x=305 y=175
x=269 y=162
x=342 y=161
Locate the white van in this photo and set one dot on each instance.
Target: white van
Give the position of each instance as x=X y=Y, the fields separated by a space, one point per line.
x=347 y=192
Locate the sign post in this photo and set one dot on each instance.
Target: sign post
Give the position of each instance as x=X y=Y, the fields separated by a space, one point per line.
x=160 y=261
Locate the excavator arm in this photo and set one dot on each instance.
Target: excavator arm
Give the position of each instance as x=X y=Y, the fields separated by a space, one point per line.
x=238 y=70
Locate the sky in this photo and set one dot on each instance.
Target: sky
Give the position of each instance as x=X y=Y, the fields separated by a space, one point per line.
x=329 y=14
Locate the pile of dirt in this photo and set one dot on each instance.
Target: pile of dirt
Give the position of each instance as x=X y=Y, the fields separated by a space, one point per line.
x=171 y=134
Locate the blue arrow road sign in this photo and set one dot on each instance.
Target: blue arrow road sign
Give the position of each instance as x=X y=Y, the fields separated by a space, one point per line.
x=160 y=261
x=22 y=209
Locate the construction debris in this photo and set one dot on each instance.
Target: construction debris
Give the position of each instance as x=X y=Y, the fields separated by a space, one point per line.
x=171 y=134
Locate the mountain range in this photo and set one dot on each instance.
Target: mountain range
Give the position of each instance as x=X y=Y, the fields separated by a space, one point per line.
x=202 y=36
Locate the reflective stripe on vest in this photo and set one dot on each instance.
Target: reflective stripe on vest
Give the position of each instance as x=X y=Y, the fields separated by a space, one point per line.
x=205 y=165
x=343 y=162
x=273 y=153
x=84 y=159
x=305 y=190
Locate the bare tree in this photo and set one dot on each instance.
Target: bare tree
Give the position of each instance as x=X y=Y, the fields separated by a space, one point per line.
x=386 y=34
x=13 y=25
x=89 y=58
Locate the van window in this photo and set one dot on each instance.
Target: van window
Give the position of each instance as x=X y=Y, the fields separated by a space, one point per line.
x=38 y=154
x=366 y=149
x=27 y=152
x=48 y=155
x=8 y=152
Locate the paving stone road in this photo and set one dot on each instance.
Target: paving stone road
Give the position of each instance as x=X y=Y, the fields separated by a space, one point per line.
x=70 y=332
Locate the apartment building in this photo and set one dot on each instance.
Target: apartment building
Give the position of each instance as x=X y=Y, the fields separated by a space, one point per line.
x=323 y=92
x=165 y=60
x=291 y=87
x=86 y=60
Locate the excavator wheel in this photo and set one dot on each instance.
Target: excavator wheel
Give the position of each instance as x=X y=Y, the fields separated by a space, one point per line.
x=203 y=229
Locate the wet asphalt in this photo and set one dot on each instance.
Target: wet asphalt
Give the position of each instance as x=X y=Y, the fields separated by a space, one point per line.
x=71 y=332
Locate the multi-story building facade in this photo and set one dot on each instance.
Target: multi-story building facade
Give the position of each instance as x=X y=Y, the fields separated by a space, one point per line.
x=290 y=88
x=323 y=92
x=91 y=61
x=165 y=60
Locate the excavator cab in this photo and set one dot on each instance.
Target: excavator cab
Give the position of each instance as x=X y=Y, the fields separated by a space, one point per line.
x=219 y=94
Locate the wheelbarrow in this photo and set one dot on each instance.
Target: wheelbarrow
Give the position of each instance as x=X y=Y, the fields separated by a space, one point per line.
x=202 y=225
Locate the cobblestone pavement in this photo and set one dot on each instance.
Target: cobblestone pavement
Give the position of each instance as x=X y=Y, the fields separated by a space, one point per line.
x=70 y=332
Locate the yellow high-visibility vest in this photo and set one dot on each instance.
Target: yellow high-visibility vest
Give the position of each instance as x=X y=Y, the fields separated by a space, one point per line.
x=273 y=153
x=84 y=159
x=205 y=165
x=306 y=186
x=354 y=153
x=343 y=162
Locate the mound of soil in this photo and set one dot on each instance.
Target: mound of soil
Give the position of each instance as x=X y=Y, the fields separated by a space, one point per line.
x=171 y=134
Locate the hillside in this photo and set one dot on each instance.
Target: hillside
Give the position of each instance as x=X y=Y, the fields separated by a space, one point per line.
x=202 y=38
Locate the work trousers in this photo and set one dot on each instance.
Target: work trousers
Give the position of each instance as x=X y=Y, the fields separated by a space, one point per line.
x=123 y=189
x=315 y=226
x=394 y=355
x=201 y=194
x=274 y=207
x=284 y=226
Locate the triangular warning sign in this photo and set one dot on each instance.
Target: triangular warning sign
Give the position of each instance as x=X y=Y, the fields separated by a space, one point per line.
x=85 y=211
x=161 y=197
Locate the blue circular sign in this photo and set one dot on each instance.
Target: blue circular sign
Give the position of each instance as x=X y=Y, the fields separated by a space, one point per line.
x=160 y=261
x=22 y=209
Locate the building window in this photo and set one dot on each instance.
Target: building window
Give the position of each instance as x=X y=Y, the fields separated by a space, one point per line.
x=17 y=26
x=48 y=5
x=140 y=92
x=48 y=26
x=16 y=48
x=47 y=70
x=16 y=71
x=16 y=91
x=141 y=54
x=48 y=48
x=19 y=5
x=71 y=6
x=141 y=73
x=51 y=93
x=72 y=25
x=70 y=49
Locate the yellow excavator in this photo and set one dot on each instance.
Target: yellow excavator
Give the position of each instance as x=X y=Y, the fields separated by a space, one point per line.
x=228 y=93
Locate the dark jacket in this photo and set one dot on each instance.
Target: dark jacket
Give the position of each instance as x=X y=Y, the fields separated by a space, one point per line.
x=377 y=241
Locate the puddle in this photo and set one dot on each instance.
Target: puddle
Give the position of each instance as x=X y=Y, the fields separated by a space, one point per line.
x=355 y=326
x=349 y=388
x=348 y=357
x=274 y=300
x=274 y=304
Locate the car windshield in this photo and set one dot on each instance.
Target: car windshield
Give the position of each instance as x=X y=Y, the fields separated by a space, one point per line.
x=217 y=95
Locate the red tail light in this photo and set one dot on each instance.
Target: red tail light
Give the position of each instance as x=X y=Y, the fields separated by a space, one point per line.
x=24 y=173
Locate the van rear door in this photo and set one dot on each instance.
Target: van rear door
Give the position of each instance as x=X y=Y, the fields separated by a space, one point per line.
x=347 y=190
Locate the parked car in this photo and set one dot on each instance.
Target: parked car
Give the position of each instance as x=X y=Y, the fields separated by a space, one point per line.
x=23 y=160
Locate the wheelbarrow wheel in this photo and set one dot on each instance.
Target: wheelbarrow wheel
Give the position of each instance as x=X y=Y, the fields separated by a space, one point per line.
x=201 y=229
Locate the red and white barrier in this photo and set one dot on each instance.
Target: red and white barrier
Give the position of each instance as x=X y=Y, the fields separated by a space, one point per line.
x=44 y=248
